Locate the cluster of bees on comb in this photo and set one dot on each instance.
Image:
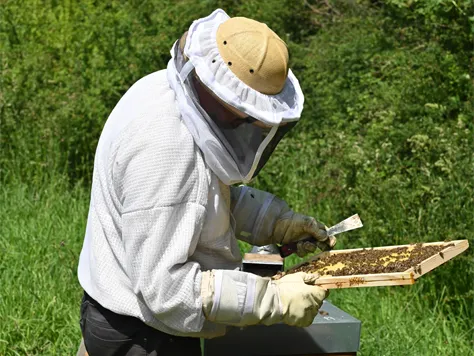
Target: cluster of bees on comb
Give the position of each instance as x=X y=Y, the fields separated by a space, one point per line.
x=369 y=261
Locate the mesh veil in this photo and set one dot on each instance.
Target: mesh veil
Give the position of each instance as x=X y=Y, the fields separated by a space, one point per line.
x=234 y=153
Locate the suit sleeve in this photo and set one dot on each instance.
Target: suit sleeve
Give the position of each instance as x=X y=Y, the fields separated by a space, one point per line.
x=161 y=185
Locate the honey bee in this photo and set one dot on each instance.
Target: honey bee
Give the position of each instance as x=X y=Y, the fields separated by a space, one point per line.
x=418 y=269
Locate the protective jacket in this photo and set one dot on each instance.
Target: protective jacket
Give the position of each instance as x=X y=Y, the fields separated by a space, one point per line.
x=158 y=216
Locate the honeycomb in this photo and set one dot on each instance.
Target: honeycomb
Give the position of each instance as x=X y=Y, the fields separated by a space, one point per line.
x=370 y=261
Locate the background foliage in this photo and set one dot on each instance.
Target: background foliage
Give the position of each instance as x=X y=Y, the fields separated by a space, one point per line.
x=387 y=132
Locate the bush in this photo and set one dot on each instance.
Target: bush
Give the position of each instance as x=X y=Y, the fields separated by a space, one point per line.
x=66 y=64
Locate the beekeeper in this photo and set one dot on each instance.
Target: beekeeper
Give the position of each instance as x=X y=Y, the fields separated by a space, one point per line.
x=159 y=264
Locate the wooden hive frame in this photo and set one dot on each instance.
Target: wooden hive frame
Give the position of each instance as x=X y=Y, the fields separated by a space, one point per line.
x=390 y=279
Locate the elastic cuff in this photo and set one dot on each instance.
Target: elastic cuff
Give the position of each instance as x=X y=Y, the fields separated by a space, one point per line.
x=217 y=294
x=207 y=292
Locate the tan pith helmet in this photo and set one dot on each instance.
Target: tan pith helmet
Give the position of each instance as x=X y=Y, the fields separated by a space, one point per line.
x=249 y=71
x=254 y=53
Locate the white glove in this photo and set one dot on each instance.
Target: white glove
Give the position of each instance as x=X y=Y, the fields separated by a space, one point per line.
x=300 y=298
x=262 y=219
x=242 y=299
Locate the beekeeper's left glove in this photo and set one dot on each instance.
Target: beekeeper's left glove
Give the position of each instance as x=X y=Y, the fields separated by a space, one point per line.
x=261 y=219
x=242 y=299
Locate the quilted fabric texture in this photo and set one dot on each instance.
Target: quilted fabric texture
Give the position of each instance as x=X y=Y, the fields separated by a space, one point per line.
x=157 y=216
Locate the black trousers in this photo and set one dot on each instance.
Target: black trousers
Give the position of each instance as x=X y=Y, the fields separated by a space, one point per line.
x=106 y=333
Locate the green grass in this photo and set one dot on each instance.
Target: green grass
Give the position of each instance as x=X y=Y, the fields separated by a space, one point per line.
x=41 y=236
x=400 y=321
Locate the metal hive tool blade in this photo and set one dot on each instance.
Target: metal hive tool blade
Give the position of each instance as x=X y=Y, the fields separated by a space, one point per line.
x=348 y=224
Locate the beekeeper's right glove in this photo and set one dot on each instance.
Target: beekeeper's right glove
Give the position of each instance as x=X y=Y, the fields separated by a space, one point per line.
x=262 y=219
x=241 y=299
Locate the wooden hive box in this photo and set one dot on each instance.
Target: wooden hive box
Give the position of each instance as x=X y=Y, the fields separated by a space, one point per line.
x=414 y=260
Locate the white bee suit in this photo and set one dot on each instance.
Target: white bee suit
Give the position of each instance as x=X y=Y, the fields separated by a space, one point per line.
x=159 y=219
x=157 y=216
